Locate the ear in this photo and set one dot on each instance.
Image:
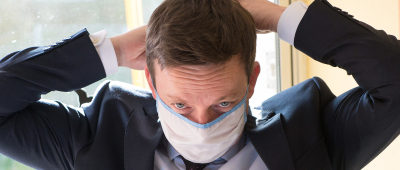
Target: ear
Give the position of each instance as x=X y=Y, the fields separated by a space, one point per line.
x=150 y=82
x=253 y=79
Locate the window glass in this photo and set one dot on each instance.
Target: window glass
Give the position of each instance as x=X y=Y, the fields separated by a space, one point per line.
x=44 y=22
x=267 y=82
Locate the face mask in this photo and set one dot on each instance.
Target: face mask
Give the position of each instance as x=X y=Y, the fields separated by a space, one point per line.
x=202 y=143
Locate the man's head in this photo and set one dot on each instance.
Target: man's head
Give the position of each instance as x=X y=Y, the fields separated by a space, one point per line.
x=200 y=56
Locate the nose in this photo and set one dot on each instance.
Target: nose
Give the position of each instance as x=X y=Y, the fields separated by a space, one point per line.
x=203 y=116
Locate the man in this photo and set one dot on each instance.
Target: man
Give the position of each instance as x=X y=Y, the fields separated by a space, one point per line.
x=202 y=106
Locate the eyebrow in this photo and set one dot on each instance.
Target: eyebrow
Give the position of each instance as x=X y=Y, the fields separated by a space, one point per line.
x=176 y=98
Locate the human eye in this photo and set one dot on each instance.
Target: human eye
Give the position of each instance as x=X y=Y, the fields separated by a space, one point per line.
x=224 y=104
x=180 y=105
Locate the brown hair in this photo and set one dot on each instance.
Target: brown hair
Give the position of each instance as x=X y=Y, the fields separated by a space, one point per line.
x=198 y=32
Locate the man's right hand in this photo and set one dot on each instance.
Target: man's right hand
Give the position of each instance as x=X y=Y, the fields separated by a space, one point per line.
x=266 y=14
x=130 y=48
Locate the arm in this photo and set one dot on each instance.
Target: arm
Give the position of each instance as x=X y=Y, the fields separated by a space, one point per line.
x=47 y=134
x=40 y=133
x=360 y=123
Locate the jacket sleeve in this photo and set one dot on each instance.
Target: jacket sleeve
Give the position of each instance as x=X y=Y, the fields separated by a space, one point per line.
x=362 y=122
x=41 y=133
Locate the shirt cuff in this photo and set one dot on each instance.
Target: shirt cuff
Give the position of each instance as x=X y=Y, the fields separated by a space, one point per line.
x=290 y=20
x=105 y=49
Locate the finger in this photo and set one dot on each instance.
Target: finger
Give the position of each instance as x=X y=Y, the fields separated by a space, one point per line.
x=140 y=62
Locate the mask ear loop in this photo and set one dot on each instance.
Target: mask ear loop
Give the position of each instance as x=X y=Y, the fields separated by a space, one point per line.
x=157 y=97
x=246 y=104
x=154 y=87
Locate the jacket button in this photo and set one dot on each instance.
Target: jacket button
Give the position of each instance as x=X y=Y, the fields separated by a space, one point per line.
x=338 y=9
x=68 y=38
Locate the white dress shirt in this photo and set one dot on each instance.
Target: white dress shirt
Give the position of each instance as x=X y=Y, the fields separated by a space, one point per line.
x=168 y=158
x=241 y=156
x=244 y=156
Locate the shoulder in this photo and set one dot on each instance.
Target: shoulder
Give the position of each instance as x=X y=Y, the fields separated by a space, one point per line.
x=299 y=108
x=308 y=95
x=312 y=88
x=116 y=90
x=121 y=90
x=115 y=94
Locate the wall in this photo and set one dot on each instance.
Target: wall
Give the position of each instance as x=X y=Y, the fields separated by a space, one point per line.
x=381 y=15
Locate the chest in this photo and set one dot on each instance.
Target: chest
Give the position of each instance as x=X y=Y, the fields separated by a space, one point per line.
x=247 y=158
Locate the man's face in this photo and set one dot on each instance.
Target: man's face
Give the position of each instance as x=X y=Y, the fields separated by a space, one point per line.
x=203 y=93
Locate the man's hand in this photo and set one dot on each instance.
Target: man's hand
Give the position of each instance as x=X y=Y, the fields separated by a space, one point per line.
x=266 y=14
x=130 y=48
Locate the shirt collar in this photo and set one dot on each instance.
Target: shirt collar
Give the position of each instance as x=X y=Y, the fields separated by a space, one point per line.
x=172 y=153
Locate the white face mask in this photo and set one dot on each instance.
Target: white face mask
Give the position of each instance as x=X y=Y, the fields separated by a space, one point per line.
x=202 y=143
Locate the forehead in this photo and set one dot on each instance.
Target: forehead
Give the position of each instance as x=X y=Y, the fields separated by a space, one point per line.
x=201 y=80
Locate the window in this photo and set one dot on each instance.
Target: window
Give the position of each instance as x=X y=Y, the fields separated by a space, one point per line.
x=43 y=22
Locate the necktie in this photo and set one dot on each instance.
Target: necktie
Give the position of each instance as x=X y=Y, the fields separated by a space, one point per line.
x=193 y=166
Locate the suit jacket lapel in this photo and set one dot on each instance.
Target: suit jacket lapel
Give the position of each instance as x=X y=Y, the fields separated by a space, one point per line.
x=142 y=136
x=144 y=133
x=270 y=142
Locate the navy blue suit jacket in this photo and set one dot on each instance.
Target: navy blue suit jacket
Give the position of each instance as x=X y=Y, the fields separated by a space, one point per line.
x=304 y=127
